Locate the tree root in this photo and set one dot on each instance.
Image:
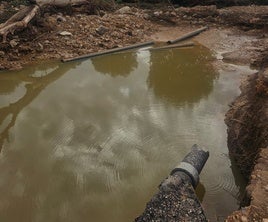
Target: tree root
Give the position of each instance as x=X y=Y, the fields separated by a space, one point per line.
x=18 y=21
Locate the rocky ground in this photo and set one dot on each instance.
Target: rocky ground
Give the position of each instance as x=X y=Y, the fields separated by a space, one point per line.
x=69 y=33
x=237 y=34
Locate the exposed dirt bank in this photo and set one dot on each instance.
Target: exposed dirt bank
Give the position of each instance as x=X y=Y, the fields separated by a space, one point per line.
x=257 y=192
x=236 y=34
x=247 y=122
x=248 y=143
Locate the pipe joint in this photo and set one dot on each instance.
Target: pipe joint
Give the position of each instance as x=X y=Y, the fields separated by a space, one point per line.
x=192 y=164
x=189 y=170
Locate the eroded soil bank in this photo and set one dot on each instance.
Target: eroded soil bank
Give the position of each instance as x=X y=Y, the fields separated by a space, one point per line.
x=248 y=141
x=236 y=34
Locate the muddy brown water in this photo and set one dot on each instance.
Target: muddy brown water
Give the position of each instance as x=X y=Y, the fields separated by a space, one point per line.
x=92 y=140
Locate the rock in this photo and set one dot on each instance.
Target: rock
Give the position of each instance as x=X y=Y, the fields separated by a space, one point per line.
x=41 y=47
x=65 y=33
x=244 y=219
x=13 y=43
x=115 y=34
x=25 y=49
x=101 y=13
x=61 y=18
x=2 y=53
x=173 y=14
x=146 y=16
x=102 y=30
x=124 y=10
x=79 y=16
x=129 y=33
x=156 y=13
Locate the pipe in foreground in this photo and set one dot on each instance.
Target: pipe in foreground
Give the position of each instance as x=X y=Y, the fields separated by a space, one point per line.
x=176 y=199
x=91 y=55
x=188 y=35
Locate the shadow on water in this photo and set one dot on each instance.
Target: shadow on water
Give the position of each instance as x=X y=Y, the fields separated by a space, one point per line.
x=34 y=85
x=240 y=182
x=120 y=64
x=200 y=191
x=181 y=76
x=8 y=84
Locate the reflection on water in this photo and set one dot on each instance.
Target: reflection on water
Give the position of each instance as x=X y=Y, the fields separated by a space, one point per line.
x=33 y=86
x=181 y=75
x=120 y=64
x=78 y=145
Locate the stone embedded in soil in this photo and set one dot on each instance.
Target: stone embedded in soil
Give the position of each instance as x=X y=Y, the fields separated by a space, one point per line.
x=60 y=18
x=124 y=10
x=13 y=43
x=102 y=30
x=65 y=33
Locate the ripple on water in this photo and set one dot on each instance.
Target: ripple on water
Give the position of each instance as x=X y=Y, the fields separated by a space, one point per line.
x=104 y=142
x=222 y=184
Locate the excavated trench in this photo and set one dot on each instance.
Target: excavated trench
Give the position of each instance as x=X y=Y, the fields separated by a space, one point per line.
x=60 y=162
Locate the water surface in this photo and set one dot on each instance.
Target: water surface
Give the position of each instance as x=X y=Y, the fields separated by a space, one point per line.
x=92 y=140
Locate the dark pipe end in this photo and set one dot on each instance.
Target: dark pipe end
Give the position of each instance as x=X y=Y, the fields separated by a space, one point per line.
x=197 y=158
x=193 y=163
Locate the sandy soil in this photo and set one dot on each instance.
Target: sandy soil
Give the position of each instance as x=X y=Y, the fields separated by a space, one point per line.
x=236 y=34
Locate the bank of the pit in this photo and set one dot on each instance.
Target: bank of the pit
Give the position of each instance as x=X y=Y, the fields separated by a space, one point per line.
x=247 y=122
